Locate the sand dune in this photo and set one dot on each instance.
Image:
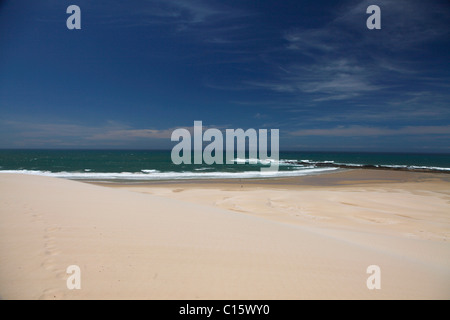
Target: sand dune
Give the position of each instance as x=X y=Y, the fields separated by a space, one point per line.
x=218 y=241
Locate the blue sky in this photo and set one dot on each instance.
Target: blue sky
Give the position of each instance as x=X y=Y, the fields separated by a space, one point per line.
x=139 y=69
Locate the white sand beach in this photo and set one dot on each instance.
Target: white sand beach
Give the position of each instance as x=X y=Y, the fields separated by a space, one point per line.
x=299 y=238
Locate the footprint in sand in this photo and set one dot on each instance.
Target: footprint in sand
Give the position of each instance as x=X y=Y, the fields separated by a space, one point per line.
x=50 y=241
x=51 y=229
x=50 y=249
x=52 y=252
x=36 y=218
x=62 y=275
x=49 y=264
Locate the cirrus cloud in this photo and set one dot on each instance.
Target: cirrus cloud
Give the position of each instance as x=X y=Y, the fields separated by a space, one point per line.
x=364 y=131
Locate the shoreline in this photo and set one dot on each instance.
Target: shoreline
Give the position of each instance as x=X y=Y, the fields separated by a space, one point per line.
x=310 y=168
x=327 y=164
x=338 y=177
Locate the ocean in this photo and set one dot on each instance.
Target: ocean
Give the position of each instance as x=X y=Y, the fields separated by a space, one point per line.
x=141 y=165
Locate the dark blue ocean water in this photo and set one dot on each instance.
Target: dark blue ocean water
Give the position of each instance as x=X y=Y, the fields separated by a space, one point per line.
x=157 y=165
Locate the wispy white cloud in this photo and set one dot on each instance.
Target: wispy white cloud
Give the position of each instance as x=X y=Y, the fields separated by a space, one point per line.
x=406 y=24
x=68 y=134
x=176 y=15
x=343 y=60
x=364 y=131
x=159 y=11
x=130 y=134
x=198 y=11
x=334 y=79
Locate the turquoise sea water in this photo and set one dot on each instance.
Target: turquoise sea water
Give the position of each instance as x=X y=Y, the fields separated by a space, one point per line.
x=140 y=165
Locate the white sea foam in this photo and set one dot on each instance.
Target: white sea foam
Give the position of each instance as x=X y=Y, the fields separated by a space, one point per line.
x=141 y=176
x=313 y=161
x=266 y=162
x=347 y=164
x=149 y=171
x=415 y=167
x=394 y=166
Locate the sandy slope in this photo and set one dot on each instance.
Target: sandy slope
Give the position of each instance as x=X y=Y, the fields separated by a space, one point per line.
x=210 y=243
